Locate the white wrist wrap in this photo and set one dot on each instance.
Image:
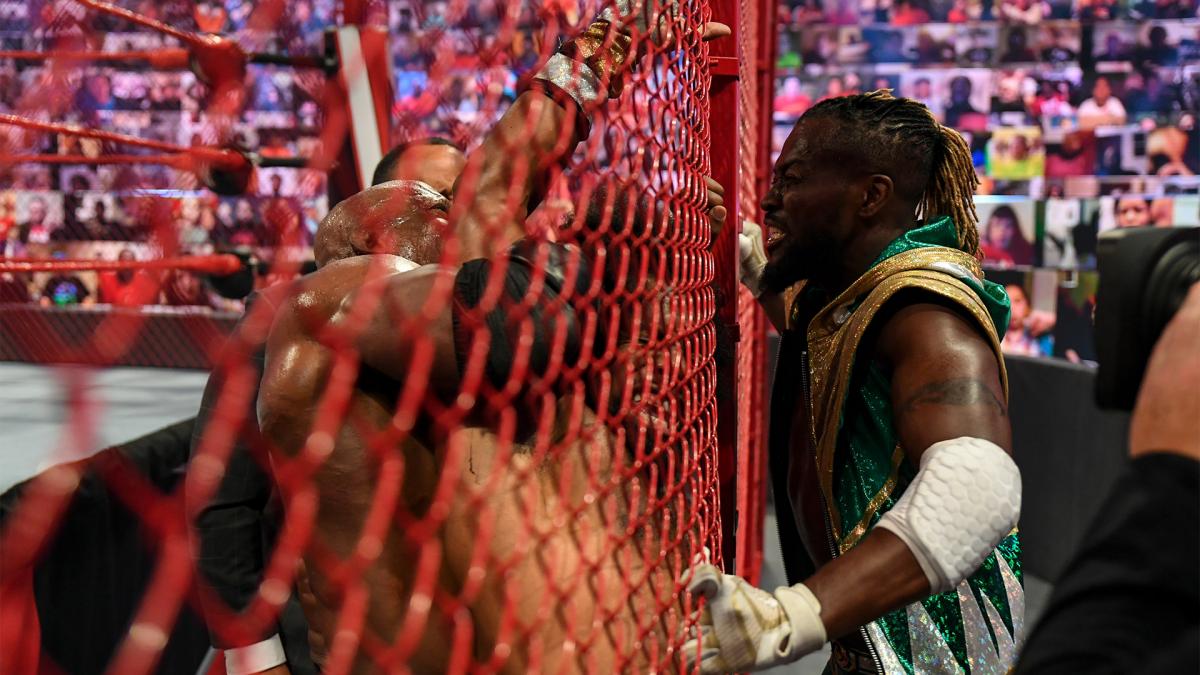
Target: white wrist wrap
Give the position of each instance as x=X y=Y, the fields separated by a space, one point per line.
x=964 y=499
x=574 y=78
x=745 y=628
x=803 y=611
x=753 y=256
x=255 y=658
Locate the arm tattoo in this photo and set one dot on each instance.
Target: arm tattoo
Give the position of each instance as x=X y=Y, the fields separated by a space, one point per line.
x=958 y=391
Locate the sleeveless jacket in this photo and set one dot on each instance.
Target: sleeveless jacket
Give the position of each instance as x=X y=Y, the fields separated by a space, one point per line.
x=835 y=455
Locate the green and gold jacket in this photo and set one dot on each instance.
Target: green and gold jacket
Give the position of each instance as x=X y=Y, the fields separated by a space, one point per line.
x=831 y=411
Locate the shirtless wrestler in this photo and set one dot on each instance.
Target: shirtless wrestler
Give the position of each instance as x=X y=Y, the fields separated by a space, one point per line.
x=364 y=332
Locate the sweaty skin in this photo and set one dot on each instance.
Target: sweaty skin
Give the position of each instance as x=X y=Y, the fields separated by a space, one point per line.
x=509 y=501
x=518 y=516
x=302 y=357
x=298 y=372
x=547 y=582
x=438 y=166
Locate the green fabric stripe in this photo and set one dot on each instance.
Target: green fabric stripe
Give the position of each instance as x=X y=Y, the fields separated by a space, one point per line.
x=866 y=439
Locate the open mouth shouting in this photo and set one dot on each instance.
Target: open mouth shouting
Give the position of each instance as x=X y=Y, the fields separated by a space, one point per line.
x=775 y=237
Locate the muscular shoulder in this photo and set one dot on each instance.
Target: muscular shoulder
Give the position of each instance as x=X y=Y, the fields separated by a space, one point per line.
x=945 y=377
x=321 y=296
x=920 y=327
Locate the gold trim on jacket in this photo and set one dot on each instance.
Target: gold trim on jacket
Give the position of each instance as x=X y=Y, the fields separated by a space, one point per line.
x=835 y=332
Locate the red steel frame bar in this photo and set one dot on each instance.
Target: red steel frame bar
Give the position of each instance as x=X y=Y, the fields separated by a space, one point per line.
x=742 y=69
x=752 y=462
x=724 y=123
x=345 y=178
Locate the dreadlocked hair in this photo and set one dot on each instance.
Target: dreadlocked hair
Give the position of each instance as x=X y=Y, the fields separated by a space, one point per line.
x=902 y=133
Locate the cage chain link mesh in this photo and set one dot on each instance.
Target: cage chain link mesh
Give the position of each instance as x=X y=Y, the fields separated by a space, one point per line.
x=563 y=554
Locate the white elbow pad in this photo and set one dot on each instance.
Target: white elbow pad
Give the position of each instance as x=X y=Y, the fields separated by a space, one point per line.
x=964 y=499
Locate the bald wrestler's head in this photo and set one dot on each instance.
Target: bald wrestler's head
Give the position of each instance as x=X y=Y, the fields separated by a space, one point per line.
x=402 y=217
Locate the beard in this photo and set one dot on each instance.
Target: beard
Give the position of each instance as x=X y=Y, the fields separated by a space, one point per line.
x=793 y=263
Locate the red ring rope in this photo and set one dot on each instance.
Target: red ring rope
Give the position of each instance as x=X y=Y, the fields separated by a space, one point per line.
x=162 y=59
x=145 y=21
x=214 y=58
x=178 y=161
x=220 y=264
x=71 y=130
x=217 y=156
x=168 y=58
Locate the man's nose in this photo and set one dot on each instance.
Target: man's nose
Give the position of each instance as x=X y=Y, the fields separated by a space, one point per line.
x=770 y=201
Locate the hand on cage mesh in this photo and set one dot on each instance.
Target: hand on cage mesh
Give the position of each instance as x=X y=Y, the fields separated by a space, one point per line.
x=744 y=628
x=617 y=40
x=716 y=207
x=658 y=20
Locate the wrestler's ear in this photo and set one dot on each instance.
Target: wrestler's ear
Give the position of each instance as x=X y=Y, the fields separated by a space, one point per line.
x=365 y=239
x=877 y=191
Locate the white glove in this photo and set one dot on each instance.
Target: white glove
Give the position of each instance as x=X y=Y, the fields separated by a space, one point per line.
x=743 y=628
x=753 y=256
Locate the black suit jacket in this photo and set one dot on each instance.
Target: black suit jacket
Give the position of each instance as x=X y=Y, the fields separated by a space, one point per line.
x=236 y=528
x=91 y=577
x=1129 y=602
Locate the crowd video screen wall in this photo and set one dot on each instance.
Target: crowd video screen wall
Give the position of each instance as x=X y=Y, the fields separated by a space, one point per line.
x=101 y=211
x=105 y=211
x=1081 y=116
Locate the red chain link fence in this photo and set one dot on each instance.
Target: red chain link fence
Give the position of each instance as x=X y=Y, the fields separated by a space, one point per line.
x=558 y=553
x=756 y=40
